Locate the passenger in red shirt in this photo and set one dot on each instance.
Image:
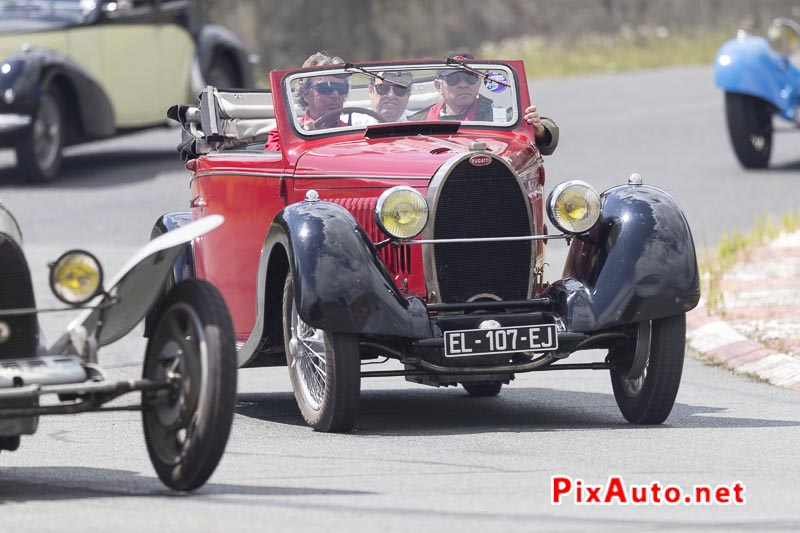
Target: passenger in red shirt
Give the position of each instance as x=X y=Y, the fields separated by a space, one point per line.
x=461 y=101
x=317 y=95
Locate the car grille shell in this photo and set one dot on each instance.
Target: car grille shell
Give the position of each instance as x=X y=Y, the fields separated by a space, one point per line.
x=478 y=202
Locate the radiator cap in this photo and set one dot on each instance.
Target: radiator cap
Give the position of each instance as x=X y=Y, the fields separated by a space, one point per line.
x=477 y=146
x=635 y=179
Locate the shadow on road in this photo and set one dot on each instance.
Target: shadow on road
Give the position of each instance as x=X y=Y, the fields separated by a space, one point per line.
x=453 y=412
x=19 y=485
x=102 y=169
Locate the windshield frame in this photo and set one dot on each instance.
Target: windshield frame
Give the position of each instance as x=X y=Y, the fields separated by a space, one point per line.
x=289 y=97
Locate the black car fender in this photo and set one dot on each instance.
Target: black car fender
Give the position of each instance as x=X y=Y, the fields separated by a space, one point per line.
x=339 y=282
x=183 y=268
x=637 y=263
x=20 y=332
x=34 y=69
x=214 y=40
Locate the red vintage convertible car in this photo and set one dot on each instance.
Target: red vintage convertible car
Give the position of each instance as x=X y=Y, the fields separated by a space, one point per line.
x=364 y=239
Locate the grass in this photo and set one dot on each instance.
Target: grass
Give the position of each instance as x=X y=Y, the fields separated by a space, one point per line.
x=627 y=50
x=737 y=247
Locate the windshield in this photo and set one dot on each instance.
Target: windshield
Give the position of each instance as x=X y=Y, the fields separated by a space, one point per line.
x=74 y=10
x=349 y=97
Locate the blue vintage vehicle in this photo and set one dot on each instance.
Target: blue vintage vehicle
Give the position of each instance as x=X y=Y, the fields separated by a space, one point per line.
x=759 y=81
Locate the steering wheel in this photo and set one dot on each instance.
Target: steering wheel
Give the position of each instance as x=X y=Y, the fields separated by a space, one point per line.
x=349 y=112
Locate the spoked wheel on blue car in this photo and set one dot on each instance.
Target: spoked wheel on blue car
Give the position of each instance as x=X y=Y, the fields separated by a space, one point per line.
x=186 y=426
x=325 y=369
x=750 y=128
x=646 y=371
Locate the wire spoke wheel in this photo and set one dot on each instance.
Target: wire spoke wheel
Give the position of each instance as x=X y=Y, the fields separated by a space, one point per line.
x=192 y=350
x=308 y=360
x=324 y=368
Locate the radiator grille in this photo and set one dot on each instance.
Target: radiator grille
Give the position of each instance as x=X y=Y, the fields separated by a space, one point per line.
x=396 y=259
x=479 y=202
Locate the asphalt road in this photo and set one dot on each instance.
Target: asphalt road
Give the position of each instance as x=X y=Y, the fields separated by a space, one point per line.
x=422 y=457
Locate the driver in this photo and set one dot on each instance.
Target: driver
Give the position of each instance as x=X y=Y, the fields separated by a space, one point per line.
x=317 y=96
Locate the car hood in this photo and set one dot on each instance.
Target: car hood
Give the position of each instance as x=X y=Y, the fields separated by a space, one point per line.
x=404 y=157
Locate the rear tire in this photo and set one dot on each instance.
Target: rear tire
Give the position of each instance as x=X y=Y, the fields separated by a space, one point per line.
x=325 y=369
x=187 y=428
x=648 y=398
x=750 y=129
x=39 y=150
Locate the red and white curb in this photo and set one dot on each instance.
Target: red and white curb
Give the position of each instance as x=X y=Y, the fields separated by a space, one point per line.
x=760 y=300
x=711 y=339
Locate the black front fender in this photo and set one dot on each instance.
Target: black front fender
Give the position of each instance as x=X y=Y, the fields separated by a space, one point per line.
x=637 y=263
x=339 y=282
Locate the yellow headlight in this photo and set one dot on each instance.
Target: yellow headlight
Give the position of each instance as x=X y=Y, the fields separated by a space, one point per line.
x=401 y=212
x=574 y=206
x=783 y=36
x=76 y=277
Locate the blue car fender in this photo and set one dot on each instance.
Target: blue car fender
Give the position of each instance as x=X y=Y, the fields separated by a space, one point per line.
x=637 y=263
x=750 y=66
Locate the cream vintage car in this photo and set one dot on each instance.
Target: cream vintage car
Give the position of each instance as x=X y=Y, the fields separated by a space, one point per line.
x=77 y=70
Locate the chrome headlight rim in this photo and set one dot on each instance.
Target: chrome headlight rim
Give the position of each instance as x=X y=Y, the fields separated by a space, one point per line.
x=61 y=292
x=384 y=197
x=780 y=35
x=558 y=191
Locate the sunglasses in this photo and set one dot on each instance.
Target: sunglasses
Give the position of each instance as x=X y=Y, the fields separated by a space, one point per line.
x=456 y=77
x=384 y=88
x=326 y=88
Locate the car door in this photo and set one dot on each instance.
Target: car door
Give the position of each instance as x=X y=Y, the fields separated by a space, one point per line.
x=126 y=44
x=246 y=188
x=176 y=52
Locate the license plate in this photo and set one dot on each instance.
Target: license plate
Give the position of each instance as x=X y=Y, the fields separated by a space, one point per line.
x=468 y=342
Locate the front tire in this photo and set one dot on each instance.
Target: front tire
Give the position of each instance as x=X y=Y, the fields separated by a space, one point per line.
x=186 y=428
x=648 y=396
x=750 y=129
x=39 y=150
x=325 y=369
x=483 y=389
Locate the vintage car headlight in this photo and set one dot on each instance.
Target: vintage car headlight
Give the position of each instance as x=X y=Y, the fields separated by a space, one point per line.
x=783 y=35
x=573 y=206
x=76 y=277
x=401 y=212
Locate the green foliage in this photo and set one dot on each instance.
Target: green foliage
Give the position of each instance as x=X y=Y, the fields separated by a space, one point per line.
x=736 y=247
x=646 y=47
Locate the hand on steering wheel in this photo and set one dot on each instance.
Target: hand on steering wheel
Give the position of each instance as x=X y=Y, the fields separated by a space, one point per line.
x=334 y=114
